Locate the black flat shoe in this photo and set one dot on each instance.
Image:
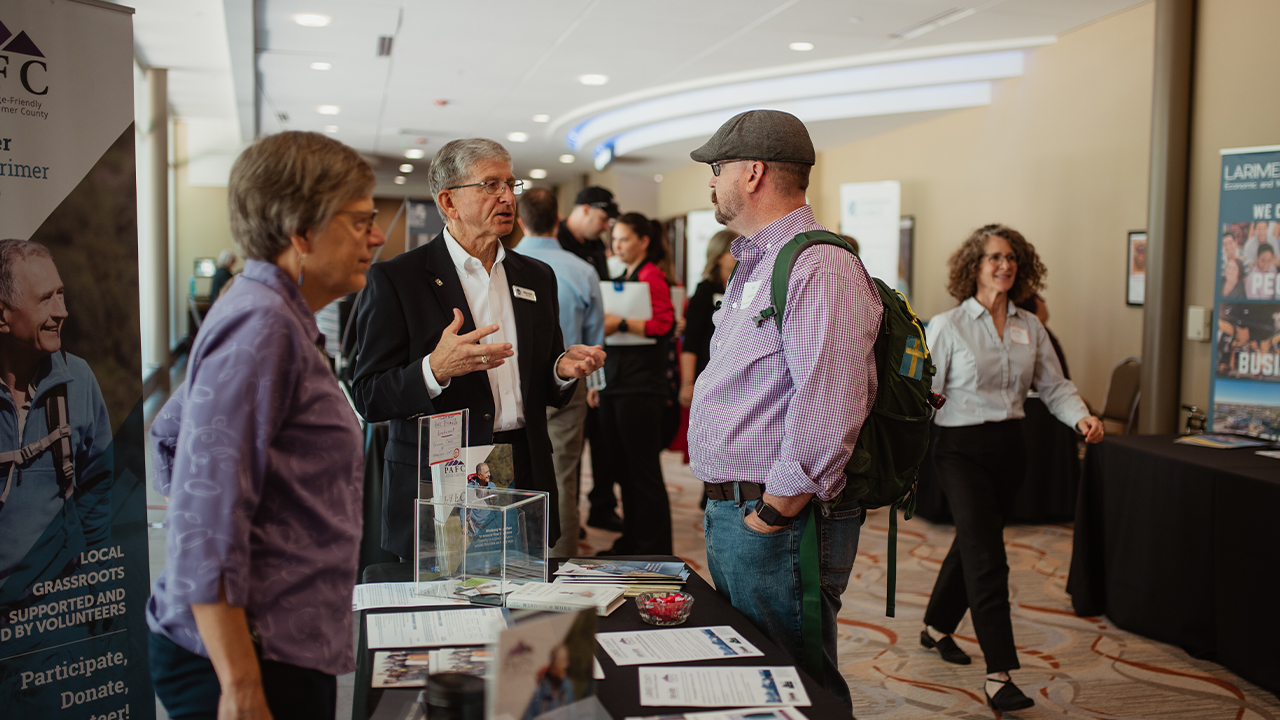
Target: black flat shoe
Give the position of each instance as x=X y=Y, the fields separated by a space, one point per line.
x=947 y=648
x=1008 y=697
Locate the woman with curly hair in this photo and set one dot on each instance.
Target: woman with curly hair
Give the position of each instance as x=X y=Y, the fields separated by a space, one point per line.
x=988 y=354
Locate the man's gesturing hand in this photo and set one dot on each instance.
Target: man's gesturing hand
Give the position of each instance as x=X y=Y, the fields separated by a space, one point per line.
x=456 y=355
x=580 y=361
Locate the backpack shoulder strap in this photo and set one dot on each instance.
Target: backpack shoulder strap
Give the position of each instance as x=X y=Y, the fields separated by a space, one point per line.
x=58 y=421
x=786 y=261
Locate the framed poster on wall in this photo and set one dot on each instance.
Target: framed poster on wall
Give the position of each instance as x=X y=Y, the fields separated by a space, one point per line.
x=1136 y=268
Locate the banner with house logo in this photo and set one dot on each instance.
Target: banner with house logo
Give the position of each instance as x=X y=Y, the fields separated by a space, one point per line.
x=1244 y=389
x=73 y=536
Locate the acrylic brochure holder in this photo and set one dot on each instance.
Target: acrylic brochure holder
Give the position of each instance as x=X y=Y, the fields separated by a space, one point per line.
x=475 y=536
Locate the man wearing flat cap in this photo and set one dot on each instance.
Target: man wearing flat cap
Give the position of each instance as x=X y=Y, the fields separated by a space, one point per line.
x=776 y=412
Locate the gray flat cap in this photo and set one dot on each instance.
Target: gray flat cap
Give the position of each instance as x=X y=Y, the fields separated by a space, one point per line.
x=759 y=135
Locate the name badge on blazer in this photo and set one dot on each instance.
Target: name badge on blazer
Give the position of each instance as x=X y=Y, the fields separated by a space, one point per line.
x=524 y=293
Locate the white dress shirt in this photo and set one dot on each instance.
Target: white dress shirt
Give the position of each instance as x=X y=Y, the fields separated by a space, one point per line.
x=985 y=378
x=489 y=298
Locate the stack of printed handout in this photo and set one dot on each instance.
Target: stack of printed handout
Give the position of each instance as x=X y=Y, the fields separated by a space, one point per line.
x=637 y=575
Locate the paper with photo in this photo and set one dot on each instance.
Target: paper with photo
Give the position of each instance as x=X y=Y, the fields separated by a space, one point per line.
x=721 y=686
x=468 y=660
x=646 y=647
x=401 y=594
x=543 y=666
x=759 y=713
x=473 y=626
x=400 y=669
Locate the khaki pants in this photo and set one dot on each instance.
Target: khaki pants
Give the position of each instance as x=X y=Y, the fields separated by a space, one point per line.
x=565 y=427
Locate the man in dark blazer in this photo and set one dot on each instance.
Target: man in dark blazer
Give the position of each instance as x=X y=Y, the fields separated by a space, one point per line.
x=437 y=325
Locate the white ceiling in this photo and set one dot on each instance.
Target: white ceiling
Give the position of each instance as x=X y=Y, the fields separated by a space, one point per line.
x=498 y=63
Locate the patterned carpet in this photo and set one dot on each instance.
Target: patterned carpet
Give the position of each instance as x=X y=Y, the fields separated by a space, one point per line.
x=1073 y=667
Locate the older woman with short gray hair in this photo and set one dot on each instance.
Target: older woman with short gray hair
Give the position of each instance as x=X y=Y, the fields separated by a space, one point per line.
x=260 y=453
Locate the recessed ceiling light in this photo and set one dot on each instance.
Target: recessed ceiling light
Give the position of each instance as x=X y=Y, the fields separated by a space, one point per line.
x=331 y=128
x=321 y=66
x=406 y=168
x=593 y=79
x=415 y=153
x=328 y=109
x=400 y=180
x=657 y=178
x=855 y=20
x=537 y=173
x=518 y=137
x=311 y=20
x=801 y=46
x=567 y=158
x=542 y=118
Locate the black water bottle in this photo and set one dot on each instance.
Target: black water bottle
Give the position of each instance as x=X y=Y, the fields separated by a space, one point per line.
x=454 y=696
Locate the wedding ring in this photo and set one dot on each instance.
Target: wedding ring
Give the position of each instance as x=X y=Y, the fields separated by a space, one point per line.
x=484 y=359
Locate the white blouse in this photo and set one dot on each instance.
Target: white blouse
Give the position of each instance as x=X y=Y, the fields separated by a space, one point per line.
x=986 y=378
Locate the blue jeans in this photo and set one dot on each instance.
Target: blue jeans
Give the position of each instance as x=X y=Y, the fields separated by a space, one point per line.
x=760 y=576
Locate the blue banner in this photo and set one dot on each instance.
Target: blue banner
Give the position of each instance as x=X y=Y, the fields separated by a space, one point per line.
x=1244 y=390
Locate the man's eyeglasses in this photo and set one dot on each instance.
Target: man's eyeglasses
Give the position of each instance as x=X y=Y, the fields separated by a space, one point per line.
x=995 y=258
x=715 y=166
x=494 y=187
x=362 y=220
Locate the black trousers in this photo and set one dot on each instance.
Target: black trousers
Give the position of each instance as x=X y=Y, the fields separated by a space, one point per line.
x=188 y=686
x=980 y=468
x=631 y=426
x=601 y=498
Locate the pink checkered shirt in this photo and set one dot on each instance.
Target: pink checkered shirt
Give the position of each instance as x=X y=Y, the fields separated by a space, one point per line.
x=784 y=409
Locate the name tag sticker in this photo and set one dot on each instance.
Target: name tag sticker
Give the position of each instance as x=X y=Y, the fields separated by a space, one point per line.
x=749 y=291
x=1019 y=335
x=525 y=293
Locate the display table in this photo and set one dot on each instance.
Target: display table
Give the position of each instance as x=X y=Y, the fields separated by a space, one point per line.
x=619 y=692
x=1179 y=544
x=1048 y=494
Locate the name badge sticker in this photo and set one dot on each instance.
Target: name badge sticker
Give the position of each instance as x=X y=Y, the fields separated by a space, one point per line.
x=524 y=293
x=749 y=291
x=1019 y=335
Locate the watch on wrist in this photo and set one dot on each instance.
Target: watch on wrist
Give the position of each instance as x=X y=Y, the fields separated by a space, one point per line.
x=771 y=517
x=622 y=325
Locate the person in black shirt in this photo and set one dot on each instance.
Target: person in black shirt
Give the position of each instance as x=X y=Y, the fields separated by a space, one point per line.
x=696 y=351
x=580 y=232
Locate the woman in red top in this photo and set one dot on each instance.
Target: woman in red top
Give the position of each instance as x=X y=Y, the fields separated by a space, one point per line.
x=635 y=395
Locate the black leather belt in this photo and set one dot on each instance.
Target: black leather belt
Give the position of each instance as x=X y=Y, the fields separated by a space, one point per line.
x=724 y=491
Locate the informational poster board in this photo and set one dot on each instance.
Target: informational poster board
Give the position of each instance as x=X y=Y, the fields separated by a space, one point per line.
x=700 y=225
x=1244 y=389
x=422 y=223
x=869 y=212
x=73 y=544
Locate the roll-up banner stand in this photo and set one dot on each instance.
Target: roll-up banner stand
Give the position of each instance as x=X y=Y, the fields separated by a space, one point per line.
x=1244 y=389
x=73 y=542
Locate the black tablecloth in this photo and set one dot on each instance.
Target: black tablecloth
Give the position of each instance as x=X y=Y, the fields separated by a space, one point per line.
x=1053 y=470
x=619 y=692
x=1179 y=543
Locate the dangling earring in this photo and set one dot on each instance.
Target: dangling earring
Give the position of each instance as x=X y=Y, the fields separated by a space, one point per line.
x=302 y=261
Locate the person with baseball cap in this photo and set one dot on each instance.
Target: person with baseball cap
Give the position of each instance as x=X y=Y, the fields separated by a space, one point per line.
x=775 y=414
x=580 y=232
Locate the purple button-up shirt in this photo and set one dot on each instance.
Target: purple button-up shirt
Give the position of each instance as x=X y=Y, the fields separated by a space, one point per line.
x=260 y=455
x=785 y=409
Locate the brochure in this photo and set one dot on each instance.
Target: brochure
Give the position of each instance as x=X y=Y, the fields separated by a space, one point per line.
x=760 y=713
x=469 y=660
x=473 y=626
x=606 y=569
x=1221 y=441
x=721 y=686
x=543 y=666
x=385 y=595
x=561 y=597
x=647 y=647
x=400 y=669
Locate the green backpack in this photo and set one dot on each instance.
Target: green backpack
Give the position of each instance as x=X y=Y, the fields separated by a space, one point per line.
x=895 y=436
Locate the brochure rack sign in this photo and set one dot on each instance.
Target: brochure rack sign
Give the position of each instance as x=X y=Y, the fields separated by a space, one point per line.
x=1244 y=390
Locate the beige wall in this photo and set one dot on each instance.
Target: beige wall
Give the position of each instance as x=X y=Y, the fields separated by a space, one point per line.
x=1235 y=105
x=1061 y=154
x=201 y=227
